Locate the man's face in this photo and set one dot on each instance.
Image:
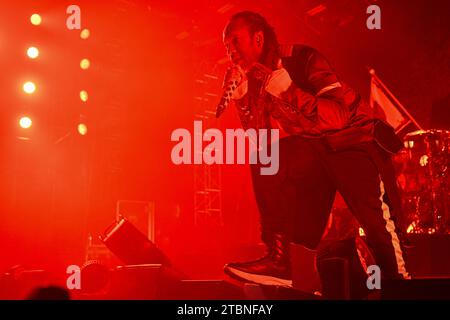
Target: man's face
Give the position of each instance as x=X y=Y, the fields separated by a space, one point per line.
x=243 y=48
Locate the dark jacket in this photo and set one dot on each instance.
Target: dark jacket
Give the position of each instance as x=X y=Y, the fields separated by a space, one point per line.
x=318 y=103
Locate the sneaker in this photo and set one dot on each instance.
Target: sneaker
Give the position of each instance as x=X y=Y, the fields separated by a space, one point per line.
x=272 y=269
x=266 y=272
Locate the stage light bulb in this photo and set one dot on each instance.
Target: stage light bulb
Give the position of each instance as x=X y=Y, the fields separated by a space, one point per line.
x=82 y=129
x=84 y=34
x=29 y=87
x=85 y=64
x=33 y=52
x=25 y=122
x=84 y=95
x=35 y=19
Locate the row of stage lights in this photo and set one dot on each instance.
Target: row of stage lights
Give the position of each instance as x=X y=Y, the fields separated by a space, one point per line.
x=29 y=87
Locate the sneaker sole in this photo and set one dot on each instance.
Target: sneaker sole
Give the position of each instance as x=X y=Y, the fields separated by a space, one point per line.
x=258 y=278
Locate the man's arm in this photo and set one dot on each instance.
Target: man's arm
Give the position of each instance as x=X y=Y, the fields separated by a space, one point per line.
x=323 y=107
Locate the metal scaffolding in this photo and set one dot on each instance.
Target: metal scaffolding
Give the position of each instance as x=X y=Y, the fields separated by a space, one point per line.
x=207 y=178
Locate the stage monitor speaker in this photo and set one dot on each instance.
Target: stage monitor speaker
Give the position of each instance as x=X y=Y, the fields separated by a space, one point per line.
x=131 y=246
x=138 y=282
x=139 y=213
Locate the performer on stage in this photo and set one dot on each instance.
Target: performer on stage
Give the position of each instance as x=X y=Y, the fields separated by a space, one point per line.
x=329 y=142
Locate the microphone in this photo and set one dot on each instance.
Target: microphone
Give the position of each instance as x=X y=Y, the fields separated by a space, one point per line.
x=226 y=97
x=233 y=78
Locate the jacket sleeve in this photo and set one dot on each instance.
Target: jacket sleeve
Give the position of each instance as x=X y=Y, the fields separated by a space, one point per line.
x=322 y=108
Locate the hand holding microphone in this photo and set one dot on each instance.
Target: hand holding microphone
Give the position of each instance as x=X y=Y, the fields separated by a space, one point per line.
x=237 y=83
x=233 y=78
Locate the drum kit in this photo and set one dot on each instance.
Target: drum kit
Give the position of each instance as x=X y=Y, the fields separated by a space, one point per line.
x=424 y=180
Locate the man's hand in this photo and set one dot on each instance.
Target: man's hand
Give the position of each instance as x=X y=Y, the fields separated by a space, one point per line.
x=257 y=76
x=233 y=74
x=278 y=82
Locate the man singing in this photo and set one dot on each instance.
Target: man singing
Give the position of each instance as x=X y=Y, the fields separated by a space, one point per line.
x=329 y=142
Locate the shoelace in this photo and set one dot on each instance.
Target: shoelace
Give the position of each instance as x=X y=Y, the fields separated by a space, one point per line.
x=279 y=251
